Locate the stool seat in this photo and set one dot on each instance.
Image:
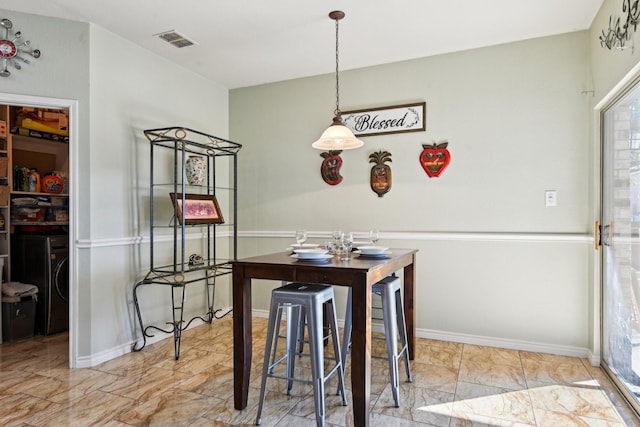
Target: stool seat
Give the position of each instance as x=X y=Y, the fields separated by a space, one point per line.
x=394 y=329
x=301 y=301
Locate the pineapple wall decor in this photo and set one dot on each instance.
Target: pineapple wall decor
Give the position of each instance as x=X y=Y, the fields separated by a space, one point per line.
x=380 y=172
x=435 y=158
x=330 y=168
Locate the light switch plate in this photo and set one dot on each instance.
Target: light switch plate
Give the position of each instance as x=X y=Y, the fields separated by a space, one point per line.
x=550 y=198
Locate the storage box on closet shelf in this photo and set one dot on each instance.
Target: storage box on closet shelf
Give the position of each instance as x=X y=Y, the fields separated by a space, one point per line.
x=29 y=209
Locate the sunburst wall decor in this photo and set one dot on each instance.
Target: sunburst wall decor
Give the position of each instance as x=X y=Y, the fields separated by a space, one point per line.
x=13 y=49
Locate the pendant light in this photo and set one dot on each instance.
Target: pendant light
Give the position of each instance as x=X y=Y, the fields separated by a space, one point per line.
x=337 y=137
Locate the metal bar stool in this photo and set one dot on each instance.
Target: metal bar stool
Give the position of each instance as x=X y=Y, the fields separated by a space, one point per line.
x=287 y=336
x=300 y=299
x=394 y=328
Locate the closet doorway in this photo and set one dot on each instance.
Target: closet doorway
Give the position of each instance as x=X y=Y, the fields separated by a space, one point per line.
x=35 y=103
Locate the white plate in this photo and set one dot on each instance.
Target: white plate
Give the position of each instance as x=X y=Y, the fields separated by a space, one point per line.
x=372 y=250
x=380 y=255
x=304 y=246
x=323 y=258
x=310 y=253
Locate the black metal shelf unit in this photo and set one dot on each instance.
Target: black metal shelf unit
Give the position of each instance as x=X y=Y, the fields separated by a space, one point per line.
x=170 y=225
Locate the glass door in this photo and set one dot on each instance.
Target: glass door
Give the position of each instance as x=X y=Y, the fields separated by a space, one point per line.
x=620 y=242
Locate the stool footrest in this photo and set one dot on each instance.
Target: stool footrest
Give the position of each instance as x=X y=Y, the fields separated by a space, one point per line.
x=298 y=380
x=332 y=371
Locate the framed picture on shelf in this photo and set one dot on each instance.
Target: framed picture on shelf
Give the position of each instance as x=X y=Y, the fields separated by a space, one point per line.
x=197 y=209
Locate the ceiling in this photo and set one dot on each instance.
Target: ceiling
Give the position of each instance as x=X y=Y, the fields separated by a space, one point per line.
x=248 y=42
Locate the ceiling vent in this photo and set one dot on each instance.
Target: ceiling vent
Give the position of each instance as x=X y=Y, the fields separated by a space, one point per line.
x=176 y=39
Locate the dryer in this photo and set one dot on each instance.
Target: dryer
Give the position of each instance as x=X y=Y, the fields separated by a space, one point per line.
x=43 y=260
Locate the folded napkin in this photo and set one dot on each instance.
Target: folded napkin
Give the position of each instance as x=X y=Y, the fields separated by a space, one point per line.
x=17 y=289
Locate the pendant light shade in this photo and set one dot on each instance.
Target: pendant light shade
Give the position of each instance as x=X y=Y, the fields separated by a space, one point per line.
x=337 y=136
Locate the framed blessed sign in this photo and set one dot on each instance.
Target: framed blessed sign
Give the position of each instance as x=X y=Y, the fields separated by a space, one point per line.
x=385 y=120
x=197 y=209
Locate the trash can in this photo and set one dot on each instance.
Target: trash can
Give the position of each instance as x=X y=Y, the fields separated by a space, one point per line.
x=18 y=311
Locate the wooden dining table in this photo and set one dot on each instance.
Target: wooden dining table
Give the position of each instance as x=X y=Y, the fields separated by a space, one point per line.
x=359 y=273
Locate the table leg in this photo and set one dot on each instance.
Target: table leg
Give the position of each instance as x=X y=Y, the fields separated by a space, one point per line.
x=409 y=299
x=361 y=353
x=242 y=338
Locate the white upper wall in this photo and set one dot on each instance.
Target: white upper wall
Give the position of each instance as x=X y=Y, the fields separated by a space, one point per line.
x=132 y=90
x=63 y=69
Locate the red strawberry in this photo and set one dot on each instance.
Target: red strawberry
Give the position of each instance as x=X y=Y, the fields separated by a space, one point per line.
x=435 y=158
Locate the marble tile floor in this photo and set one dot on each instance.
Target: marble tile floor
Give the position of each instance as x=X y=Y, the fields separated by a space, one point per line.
x=454 y=385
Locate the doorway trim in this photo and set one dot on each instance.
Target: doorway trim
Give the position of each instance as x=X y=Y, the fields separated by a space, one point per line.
x=631 y=79
x=72 y=106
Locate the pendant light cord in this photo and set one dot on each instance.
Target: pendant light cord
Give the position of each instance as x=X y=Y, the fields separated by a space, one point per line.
x=337 y=111
x=337 y=137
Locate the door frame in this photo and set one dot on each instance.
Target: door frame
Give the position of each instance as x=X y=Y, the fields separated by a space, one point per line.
x=631 y=79
x=72 y=106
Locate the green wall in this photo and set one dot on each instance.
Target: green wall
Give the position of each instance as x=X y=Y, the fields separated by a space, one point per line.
x=494 y=263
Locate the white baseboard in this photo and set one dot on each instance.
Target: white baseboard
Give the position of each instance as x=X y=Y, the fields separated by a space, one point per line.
x=485 y=341
x=562 y=350
x=535 y=347
x=594 y=359
x=104 y=356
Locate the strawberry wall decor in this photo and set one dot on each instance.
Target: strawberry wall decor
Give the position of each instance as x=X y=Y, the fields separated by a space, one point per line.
x=380 y=173
x=435 y=158
x=330 y=168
